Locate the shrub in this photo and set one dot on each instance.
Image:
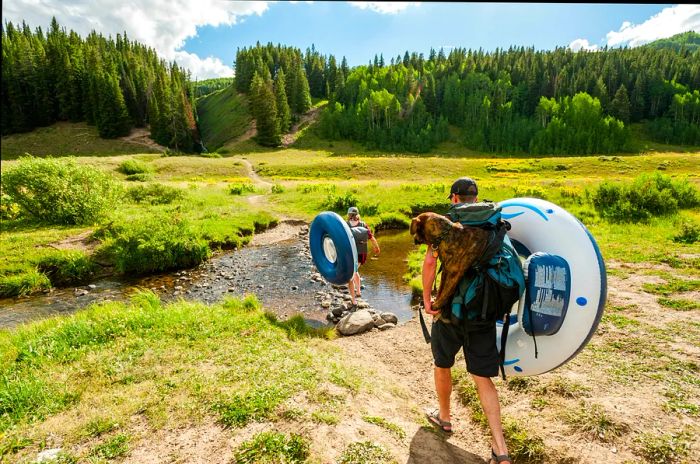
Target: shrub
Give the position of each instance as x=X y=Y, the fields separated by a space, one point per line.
x=211 y=155
x=9 y=209
x=529 y=191
x=340 y=202
x=23 y=284
x=646 y=196
x=156 y=244
x=392 y=221
x=134 y=166
x=141 y=177
x=66 y=268
x=155 y=194
x=689 y=233
x=278 y=188
x=239 y=188
x=58 y=191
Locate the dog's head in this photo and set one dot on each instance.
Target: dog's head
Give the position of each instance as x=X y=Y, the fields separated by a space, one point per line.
x=429 y=227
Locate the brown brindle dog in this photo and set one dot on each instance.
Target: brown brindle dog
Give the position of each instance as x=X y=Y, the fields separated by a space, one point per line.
x=458 y=248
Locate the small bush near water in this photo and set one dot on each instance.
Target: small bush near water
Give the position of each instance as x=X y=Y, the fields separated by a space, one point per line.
x=645 y=197
x=133 y=166
x=155 y=244
x=58 y=191
x=23 y=284
x=155 y=194
x=67 y=268
x=343 y=202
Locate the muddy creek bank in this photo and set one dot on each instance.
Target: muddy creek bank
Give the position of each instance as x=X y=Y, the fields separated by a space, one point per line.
x=276 y=267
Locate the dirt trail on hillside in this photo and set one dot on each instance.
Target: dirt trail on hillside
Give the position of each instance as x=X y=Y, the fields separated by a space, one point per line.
x=142 y=136
x=306 y=119
x=247 y=135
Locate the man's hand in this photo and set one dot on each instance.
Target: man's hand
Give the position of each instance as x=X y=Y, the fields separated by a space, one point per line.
x=429 y=308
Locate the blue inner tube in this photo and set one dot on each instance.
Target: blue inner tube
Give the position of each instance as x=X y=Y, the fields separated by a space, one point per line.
x=333 y=248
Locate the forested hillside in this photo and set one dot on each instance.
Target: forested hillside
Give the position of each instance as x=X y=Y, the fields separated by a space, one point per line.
x=519 y=100
x=114 y=84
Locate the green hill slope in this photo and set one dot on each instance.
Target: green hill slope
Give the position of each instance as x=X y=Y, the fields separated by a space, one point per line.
x=66 y=138
x=689 y=40
x=223 y=116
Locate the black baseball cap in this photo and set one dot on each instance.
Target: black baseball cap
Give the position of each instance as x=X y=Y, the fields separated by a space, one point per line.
x=464 y=186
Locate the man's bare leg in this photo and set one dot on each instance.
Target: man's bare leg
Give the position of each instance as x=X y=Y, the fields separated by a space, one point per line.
x=443 y=388
x=351 y=287
x=489 y=403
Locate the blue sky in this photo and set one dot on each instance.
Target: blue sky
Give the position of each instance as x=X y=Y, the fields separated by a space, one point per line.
x=343 y=30
x=202 y=35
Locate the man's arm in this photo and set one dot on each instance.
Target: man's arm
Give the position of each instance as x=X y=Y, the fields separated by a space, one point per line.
x=429 y=269
x=375 y=244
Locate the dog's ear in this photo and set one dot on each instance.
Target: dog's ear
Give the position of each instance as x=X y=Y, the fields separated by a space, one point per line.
x=414 y=225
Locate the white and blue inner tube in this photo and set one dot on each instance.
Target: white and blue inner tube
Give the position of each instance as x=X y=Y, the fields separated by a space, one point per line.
x=566 y=287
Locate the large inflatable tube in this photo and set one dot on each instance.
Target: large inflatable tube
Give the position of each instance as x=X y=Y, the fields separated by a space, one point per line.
x=566 y=287
x=333 y=248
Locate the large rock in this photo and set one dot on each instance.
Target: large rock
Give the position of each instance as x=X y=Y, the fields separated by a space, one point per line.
x=354 y=323
x=390 y=317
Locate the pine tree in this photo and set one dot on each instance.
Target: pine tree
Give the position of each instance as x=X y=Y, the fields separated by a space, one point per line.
x=265 y=112
x=284 y=117
x=112 y=117
x=620 y=106
x=302 y=95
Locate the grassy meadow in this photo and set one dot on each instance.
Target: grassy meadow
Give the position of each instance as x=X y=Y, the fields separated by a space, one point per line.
x=101 y=383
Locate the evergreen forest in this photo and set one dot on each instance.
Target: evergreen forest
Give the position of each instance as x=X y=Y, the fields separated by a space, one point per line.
x=518 y=100
x=114 y=84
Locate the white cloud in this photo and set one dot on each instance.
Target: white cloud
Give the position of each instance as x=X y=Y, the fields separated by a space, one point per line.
x=582 y=44
x=384 y=7
x=670 y=21
x=162 y=24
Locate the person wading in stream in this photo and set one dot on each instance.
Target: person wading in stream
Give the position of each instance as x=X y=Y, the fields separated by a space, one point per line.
x=480 y=351
x=362 y=233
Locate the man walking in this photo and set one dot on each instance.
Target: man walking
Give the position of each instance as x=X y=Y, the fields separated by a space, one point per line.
x=478 y=343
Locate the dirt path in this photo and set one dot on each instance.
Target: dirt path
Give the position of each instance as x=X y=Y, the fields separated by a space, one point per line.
x=142 y=136
x=310 y=117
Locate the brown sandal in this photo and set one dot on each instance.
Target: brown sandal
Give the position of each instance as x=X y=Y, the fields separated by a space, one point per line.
x=500 y=458
x=434 y=418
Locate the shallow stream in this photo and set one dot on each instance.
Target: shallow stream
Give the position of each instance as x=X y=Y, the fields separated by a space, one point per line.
x=278 y=273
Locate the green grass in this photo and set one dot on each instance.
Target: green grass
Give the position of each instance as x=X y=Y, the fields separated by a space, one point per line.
x=112 y=448
x=223 y=116
x=523 y=445
x=204 y=200
x=385 y=424
x=174 y=364
x=662 y=448
x=594 y=421
x=273 y=448
x=679 y=304
x=63 y=139
x=365 y=452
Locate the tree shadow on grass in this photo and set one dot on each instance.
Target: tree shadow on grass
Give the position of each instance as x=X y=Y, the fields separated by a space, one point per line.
x=429 y=447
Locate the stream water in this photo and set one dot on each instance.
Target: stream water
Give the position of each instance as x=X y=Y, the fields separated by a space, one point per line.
x=279 y=274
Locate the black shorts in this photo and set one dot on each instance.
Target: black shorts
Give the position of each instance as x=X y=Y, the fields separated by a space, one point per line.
x=479 y=346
